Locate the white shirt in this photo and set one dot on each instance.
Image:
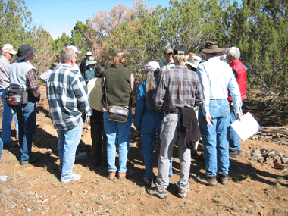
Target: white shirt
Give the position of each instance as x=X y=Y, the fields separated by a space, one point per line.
x=217 y=77
x=167 y=66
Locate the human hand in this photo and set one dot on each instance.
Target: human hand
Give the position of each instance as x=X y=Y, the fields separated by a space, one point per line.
x=239 y=115
x=208 y=120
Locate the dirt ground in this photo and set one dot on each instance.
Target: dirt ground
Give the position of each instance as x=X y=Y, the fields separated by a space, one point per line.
x=253 y=188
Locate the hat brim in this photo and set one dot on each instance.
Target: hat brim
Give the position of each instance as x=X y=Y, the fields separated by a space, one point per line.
x=214 y=50
x=91 y=62
x=192 y=65
x=13 y=52
x=20 y=58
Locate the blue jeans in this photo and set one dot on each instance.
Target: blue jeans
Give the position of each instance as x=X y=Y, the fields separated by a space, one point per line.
x=215 y=138
x=27 y=125
x=7 y=119
x=148 y=143
x=232 y=135
x=68 y=140
x=117 y=132
x=1 y=147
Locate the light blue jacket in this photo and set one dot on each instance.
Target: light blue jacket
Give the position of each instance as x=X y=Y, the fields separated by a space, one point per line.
x=146 y=120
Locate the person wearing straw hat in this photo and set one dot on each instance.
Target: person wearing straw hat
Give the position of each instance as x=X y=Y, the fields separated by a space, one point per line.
x=214 y=115
x=23 y=74
x=89 y=72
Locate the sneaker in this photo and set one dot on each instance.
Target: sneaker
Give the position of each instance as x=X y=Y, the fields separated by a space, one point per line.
x=157 y=191
x=209 y=181
x=112 y=175
x=80 y=156
x=235 y=154
x=223 y=179
x=3 y=179
x=182 y=192
x=147 y=181
x=121 y=176
x=74 y=177
x=30 y=161
x=10 y=144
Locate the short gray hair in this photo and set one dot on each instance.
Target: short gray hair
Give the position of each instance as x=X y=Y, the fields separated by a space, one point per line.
x=234 y=51
x=66 y=55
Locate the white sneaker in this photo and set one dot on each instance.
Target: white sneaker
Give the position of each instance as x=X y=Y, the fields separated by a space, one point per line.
x=74 y=177
x=3 y=179
x=80 y=156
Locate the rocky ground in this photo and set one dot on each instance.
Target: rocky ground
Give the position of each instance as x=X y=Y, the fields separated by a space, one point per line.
x=255 y=186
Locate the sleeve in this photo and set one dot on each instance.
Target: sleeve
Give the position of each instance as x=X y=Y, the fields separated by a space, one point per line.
x=235 y=93
x=205 y=88
x=199 y=93
x=160 y=94
x=140 y=105
x=31 y=76
x=81 y=93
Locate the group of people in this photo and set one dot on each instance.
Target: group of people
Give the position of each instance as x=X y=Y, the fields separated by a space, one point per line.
x=175 y=97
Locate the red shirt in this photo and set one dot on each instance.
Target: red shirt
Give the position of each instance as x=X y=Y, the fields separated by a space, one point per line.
x=241 y=77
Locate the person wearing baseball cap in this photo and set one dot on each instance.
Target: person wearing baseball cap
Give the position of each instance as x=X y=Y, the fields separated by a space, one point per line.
x=178 y=92
x=74 y=48
x=7 y=54
x=83 y=63
x=169 y=62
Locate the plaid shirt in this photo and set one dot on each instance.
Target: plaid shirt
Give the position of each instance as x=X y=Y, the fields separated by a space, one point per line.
x=178 y=88
x=31 y=76
x=68 y=97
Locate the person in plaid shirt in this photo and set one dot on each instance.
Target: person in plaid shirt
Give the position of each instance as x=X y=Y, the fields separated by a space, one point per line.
x=68 y=100
x=178 y=88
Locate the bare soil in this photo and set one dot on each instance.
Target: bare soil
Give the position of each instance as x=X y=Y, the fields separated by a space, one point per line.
x=253 y=188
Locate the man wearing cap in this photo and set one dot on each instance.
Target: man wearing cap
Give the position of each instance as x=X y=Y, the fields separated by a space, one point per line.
x=214 y=116
x=169 y=62
x=89 y=71
x=74 y=48
x=23 y=74
x=83 y=63
x=7 y=55
x=68 y=100
x=179 y=88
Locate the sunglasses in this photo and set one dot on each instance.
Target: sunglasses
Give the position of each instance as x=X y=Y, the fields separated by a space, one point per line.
x=169 y=54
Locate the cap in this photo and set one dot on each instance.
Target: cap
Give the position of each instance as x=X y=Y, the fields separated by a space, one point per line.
x=168 y=50
x=8 y=48
x=88 y=53
x=74 y=48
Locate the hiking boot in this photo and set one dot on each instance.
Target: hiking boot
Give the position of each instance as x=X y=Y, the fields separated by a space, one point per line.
x=3 y=179
x=121 y=176
x=182 y=192
x=80 y=156
x=74 y=177
x=223 y=179
x=157 y=191
x=112 y=175
x=208 y=181
x=10 y=144
x=30 y=161
x=235 y=154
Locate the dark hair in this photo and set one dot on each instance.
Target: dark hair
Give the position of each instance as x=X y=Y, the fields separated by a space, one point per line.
x=99 y=70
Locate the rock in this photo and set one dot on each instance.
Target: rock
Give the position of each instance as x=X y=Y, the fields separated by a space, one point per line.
x=269 y=161
x=260 y=160
x=284 y=160
x=277 y=159
x=256 y=152
x=257 y=157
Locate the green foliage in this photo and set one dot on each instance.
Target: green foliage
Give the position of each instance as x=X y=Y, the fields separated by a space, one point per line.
x=78 y=37
x=60 y=43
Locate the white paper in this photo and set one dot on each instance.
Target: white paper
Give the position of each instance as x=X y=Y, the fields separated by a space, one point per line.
x=247 y=127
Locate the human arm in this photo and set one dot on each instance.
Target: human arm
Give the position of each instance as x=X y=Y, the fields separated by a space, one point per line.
x=236 y=96
x=81 y=93
x=160 y=94
x=205 y=89
x=34 y=89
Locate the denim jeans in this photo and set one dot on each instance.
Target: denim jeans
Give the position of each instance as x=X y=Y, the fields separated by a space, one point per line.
x=169 y=137
x=7 y=119
x=68 y=140
x=215 y=139
x=1 y=147
x=232 y=135
x=117 y=132
x=27 y=125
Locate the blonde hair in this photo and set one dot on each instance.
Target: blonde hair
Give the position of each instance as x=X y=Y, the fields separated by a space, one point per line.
x=180 y=57
x=118 y=56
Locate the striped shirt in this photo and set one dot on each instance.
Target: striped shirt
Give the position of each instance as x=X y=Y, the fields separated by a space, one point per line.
x=178 y=88
x=67 y=96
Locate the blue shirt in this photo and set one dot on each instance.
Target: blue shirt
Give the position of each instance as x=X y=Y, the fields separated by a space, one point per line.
x=217 y=77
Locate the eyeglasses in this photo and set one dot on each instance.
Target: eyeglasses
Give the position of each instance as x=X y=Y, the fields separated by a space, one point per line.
x=169 y=54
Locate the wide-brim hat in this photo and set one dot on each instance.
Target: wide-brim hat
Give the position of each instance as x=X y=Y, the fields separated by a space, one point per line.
x=153 y=65
x=194 y=61
x=24 y=51
x=88 y=53
x=212 y=47
x=91 y=61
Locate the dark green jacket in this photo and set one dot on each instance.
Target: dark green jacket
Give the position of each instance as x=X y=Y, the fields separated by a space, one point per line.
x=117 y=83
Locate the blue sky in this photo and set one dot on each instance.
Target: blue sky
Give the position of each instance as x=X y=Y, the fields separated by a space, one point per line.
x=60 y=16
